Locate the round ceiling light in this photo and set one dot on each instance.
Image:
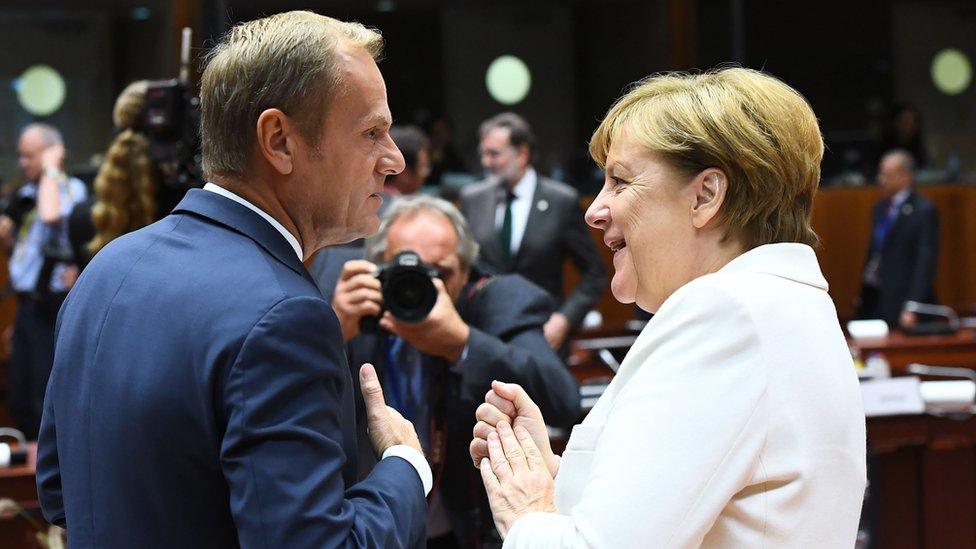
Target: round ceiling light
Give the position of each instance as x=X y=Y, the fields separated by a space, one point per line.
x=951 y=71
x=40 y=90
x=508 y=79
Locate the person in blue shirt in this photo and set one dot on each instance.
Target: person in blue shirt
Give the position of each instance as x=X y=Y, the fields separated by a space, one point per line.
x=40 y=266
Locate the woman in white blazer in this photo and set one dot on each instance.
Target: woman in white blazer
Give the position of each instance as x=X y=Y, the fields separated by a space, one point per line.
x=735 y=420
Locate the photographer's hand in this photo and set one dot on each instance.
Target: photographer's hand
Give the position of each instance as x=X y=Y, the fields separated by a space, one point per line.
x=357 y=294
x=443 y=333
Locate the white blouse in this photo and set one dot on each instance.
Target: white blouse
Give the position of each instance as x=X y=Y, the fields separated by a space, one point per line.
x=734 y=421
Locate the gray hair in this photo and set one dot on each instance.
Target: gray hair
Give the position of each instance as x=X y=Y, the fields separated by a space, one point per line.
x=467 y=247
x=907 y=161
x=49 y=134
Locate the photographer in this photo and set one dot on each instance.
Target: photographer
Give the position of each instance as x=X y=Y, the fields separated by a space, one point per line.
x=436 y=371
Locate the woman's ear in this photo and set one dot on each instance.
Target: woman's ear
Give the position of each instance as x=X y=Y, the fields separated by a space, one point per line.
x=710 y=187
x=276 y=140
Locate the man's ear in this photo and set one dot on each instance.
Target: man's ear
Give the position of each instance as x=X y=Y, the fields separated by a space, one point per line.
x=525 y=154
x=709 y=187
x=277 y=140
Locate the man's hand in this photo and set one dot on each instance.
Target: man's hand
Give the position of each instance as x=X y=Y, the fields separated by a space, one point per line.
x=508 y=402
x=6 y=232
x=556 y=330
x=69 y=276
x=385 y=425
x=515 y=477
x=443 y=333
x=908 y=319
x=52 y=157
x=357 y=294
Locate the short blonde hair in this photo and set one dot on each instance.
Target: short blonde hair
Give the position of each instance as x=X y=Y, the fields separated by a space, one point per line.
x=286 y=61
x=759 y=131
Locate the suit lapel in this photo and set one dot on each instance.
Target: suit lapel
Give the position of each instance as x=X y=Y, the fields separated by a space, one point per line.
x=905 y=213
x=485 y=231
x=536 y=226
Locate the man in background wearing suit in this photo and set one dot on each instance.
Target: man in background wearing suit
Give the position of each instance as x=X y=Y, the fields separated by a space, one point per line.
x=436 y=371
x=529 y=224
x=904 y=251
x=200 y=395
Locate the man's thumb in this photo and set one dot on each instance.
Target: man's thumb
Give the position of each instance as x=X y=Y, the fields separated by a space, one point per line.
x=372 y=392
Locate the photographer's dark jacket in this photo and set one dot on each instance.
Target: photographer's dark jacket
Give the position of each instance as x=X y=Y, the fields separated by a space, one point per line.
x=505 y=314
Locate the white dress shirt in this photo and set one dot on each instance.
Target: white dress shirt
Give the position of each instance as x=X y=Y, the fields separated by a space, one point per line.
x=524 y=190
x=734 y=421
x=411 y=455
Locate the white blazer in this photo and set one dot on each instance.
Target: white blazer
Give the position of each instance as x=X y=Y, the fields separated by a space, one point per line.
x=734 y=421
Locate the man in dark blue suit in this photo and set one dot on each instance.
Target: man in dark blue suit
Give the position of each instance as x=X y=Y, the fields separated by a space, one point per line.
x=904 y=252
x=200 y=395
x=436 y=371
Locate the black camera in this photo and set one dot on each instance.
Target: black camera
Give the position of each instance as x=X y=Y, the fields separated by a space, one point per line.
x=171 y=119
x=408 y=290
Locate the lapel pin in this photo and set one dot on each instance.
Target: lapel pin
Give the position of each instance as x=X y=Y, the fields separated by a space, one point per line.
x=907 y=209
x=543 y=205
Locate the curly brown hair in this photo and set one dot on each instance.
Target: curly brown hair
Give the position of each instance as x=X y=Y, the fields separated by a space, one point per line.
x=124 y=186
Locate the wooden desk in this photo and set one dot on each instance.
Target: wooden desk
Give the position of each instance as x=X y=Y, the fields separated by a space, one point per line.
x=900 y=350
x=923 y=482
x=18 y=484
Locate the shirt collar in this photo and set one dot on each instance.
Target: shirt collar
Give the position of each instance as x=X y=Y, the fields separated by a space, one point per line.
x=789 y=260
x=525 y=187
x=216 y=189
x=900 y=197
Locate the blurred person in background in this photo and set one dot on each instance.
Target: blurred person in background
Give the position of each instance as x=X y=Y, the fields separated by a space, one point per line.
x=415 y=147
x=125 y=187
x=529 y=224
x=40 y=266
x=903 y=256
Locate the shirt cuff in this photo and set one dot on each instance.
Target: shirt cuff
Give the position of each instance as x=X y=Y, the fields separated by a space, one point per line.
x=464 y=353
x=415 y=458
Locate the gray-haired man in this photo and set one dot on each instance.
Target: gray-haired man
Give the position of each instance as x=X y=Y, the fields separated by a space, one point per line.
x=437 y=371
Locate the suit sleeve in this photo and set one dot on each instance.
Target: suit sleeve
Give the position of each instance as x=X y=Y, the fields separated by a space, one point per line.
x=683 y=436
x=519 y=353
x=48 y=467
x=926 y=257
x=593 y=275
x=282 y=452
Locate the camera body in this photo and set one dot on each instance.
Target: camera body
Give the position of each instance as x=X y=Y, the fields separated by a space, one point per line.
x=408 y=290
x=171 y=119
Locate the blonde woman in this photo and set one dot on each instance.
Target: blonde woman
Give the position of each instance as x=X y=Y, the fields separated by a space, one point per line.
x=125 y=196
x=735 y=419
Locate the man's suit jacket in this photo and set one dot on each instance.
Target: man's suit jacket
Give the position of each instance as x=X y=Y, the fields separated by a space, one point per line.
x=909 y=258
x=555 y=231
x=201 y=398
x=734 y=421
x=505 y=314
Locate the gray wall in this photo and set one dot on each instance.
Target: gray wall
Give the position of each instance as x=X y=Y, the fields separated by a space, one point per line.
x=920 y=30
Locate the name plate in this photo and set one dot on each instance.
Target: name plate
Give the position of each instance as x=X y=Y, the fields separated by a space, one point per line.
x=892 y=397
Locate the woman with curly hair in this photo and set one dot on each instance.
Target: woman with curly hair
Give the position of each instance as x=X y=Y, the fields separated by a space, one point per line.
x=125 y=187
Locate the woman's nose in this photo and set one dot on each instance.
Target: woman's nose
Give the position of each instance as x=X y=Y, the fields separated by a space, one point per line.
x=598 y=214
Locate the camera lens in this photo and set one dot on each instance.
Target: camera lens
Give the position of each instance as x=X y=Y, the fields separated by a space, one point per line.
x=409 y=295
